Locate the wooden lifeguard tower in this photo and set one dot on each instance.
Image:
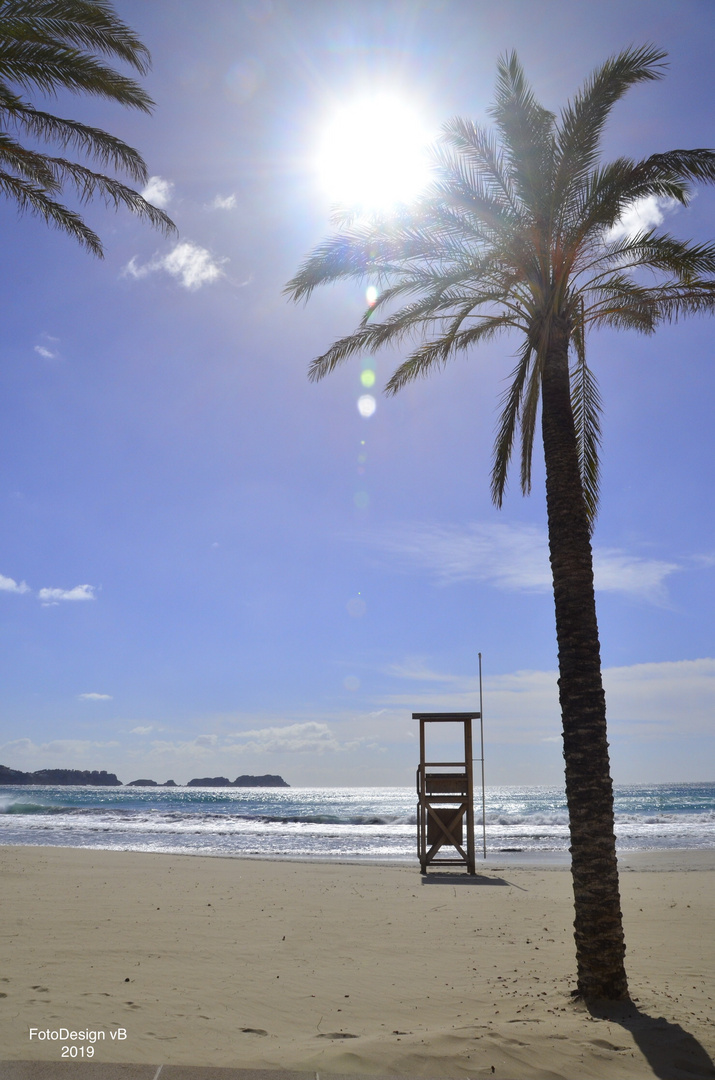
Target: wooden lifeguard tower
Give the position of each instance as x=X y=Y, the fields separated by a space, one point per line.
x=445 y=792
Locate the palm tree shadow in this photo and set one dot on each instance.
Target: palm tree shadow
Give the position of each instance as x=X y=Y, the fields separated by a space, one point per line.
x=669 y=1049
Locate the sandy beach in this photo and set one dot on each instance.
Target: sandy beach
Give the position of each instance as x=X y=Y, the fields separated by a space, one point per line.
x=349 y=968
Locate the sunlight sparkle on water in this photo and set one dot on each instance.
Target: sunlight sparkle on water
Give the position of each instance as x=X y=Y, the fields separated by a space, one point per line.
x=373 y=154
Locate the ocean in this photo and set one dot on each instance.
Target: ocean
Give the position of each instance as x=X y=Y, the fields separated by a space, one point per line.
x=377 y=824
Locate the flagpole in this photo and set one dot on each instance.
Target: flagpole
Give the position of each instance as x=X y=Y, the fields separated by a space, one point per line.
x=481 y=736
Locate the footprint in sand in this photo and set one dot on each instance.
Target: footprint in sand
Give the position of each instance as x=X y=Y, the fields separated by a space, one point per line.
x=254 y=1031
x=336 y=1035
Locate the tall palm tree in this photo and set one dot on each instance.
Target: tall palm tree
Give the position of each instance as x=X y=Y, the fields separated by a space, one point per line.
x=51 y=45
x=517 y=233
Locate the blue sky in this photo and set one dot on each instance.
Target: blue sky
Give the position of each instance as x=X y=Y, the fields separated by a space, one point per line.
x=210 y=565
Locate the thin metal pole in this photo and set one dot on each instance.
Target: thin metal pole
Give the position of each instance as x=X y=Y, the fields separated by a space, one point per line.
x=481 y=737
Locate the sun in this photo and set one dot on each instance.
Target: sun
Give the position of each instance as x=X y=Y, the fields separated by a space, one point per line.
x=373 y=154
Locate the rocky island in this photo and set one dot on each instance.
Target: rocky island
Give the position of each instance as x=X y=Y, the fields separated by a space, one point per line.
x=240 y=781
x=64 y=777
x=84 y=778
x=151 y=783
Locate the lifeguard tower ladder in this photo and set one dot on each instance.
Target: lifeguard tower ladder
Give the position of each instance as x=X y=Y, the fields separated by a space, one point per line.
x=445 y=791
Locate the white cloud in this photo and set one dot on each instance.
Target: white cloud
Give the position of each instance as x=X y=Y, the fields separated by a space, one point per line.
x=221 y=202
x=47 y=350
x=95 y=697
x=646 y=701
x=616 y=571
x=205 y=742
x=191 y=265
x=75 y=753
x=310 y=737
x=515 y=558
x=640 y=216
x=54 y=596
x=8 y=584
x=158 y=191
x=674 y=697
x=141 y=730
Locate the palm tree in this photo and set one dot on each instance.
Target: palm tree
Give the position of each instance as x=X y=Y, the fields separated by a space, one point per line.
x=517 y=232
x=50 y=45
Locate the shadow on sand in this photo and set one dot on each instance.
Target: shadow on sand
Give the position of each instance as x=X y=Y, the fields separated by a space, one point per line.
x=462 y=879
x=670 y=1051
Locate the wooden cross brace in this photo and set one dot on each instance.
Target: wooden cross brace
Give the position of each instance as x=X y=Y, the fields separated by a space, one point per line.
x=448 y=836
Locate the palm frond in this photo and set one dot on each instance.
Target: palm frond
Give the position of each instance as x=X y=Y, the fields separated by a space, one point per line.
x=529 y=411
x=479 y=147
x=84 y=23
x=104 y=148
x=49 y=67
x=52 y=45
x=582 y=121
x=508 y=422
x=36 y=200
x=527 y=130
x=586 y=406
x=677 y=301
x=436 y=353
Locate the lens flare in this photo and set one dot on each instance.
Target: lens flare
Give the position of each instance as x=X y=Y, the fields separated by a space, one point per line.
x=371 y=295
x=367 y=378
x=366 y=405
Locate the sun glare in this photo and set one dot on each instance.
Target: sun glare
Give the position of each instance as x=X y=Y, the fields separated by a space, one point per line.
x=373 y=154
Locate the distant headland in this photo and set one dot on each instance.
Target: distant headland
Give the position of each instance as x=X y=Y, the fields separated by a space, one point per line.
x=85 y=778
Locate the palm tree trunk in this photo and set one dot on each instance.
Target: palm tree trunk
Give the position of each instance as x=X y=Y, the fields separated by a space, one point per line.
x=598 y=926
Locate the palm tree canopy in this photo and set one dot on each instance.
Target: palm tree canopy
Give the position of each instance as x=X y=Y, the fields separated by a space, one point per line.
x=52 y=45
x=517 y=231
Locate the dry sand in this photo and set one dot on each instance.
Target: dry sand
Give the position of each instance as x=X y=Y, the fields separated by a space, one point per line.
x=348 y=968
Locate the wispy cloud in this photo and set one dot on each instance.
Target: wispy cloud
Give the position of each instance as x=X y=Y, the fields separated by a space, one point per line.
x=650 y=701
x=225 y=753
x=515 y=558
x=74 y=753
x=642 y=215
x=222 y=202
x=48 y=350
x=158 y=191
x=617 y=571
x=310 y=737
x=94 y=697
x=56 y=596
x=191 y=265
x=8 y=584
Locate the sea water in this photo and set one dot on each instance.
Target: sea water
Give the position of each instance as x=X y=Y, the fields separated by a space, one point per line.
x=378 y=824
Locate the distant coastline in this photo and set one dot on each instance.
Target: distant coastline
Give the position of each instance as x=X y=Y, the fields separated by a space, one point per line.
x=86 y=778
